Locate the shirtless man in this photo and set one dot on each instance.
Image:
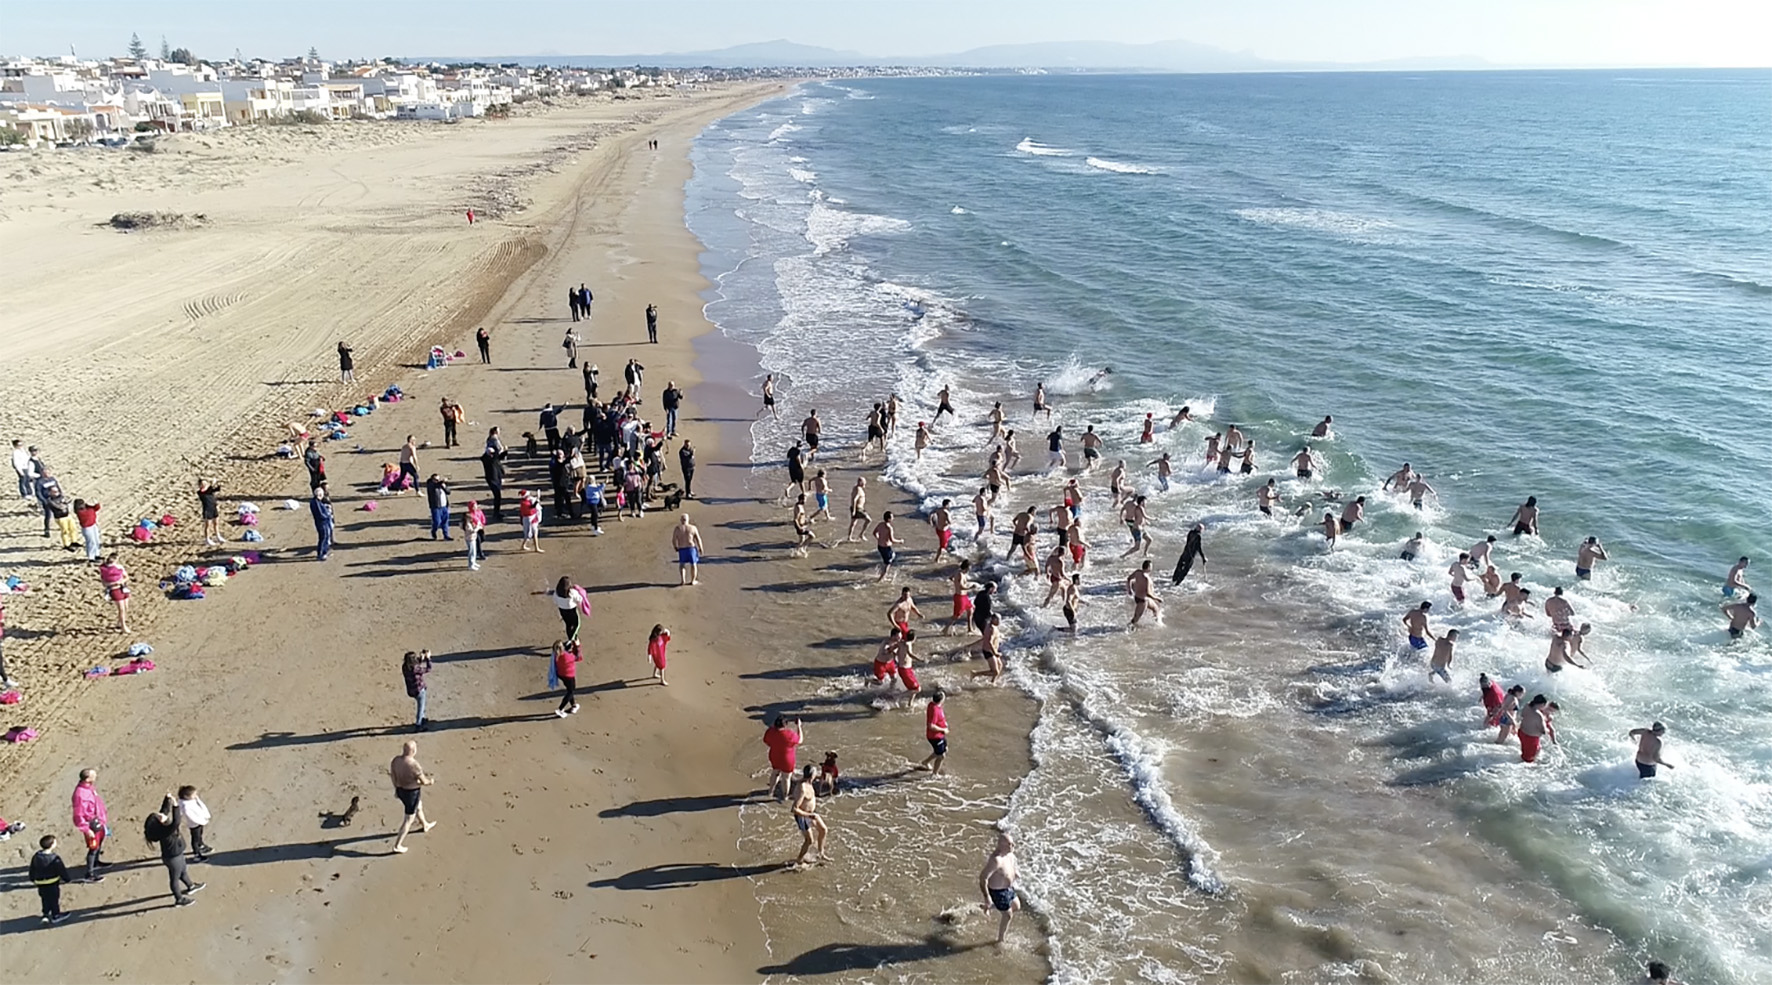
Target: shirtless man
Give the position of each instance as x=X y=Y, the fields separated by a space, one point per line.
x=921 y=441
x=876 y=432
x=410 y=779
x=1324 y=427
x=893 y=406
x=1268 y=497
x=1212 y=443
x=1525 y=519
x=821 y=496
x=1418 y=490
x=768 y=398
x=1091 y=449
x=1054 y=568
x=1117 y=483
x=1399 y=480
x=1184 y=414
x=802 y=528
x=1561 y=652
x=687 y=541
x=1578 y=642
x=942 y=520
x=1413 y=546
x=1304 y=464
x=988 y=646
x=1331 y=529
x=1233 y=438
x=812 y=428
x=1535 y=724
x=942 y=406
x=1587 y=555
x=1481 y=551
x=959 y=586
x=1225 y=455
x=1353 y=513
x=1040 y=401
x=996 y=419
x=885 y=539
x=1517 y=600
x=1460 y=572
x=1073 y=600
x=858 y=509
x=902 y=610
x=1415 y=624
x=996 y=480
x=1742 y=616
x=1491 y=580
x=1021 y=538
x=806 y=817
x=1735 y=582
x=1440 y=664
x=1144 y=596
x=981 y=514
x=1011 y=455
x=1164 y=470
x=1133 y=514
x=886 y=657
x=997 y=883
x=1073 y=499
x=1073 y=536
x=1558 y=610
x=1649 y=749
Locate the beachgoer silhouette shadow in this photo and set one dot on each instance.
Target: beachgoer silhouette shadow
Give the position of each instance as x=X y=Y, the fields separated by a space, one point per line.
x=682 y=875
x=831 y=959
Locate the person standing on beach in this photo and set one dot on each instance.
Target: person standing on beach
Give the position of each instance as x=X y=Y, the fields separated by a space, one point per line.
x=21 y=464
x=1649 y=750
x=573 y=302
x=652 y=323
x=115 y=582
x=805 y=814
x=409 y=779
x=670 y=399
x=437 y=496
x=687 y=541
x=570 y=344
x=768 y=398
x=1192 y=552
x=781 y=742
x=550 y=426
x=452 y=418
x=413 y=668
x=566 y=656
x=47 y=873
x=492 y=463
x=86 y=514
x=1144 y=597
x=90 y=815
x=165 y=828
x=686 y=464
x=935 y=729
x=320 y=507
x=656 y=644
x=529 y=513
x=345 y=364
x=408 y=464
x=997 y=882
x=483 y=339
x=473 y=523
x=1525 y=520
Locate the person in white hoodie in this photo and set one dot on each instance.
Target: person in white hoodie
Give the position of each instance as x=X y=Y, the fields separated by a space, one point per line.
x=195 y=814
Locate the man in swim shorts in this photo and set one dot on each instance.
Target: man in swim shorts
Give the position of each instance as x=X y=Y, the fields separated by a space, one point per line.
x=902 y=610
x=1415 y=623
x=942 y=519
x=1304 y=463
x=858 y=509
x=1649 y=750
x=1742 y=616
x=1460 y=572
x=935 y=729
x=962 y=602
x=885 y=658
x=997 y=883
x=1525 y=519
x=811 y=428
x=1133 y=513
x=1091 y=448
x=884 y=541
x=687 y=540
x=1735 y=582
x=1440 y=664
x=805 y=813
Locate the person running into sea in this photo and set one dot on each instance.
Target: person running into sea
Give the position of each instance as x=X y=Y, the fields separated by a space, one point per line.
x=935 y=729
x=1021 y=539
x=1353 y=513
x=1418 y=489
x=941 y=519
x=1525 y=519
x=1165 y=469
x=1040 y=405
x=1440 y=664
x=1091 y=449
x=1508 y=717
x=811 y=429
x=1233 y=438
x=1413 y=546
x=1148 y=431
x=921 y=440
x=768 y=398
x=1144 y=596
x=981 y=514
x=1482 y=551
x=1535 y=725
x=1192 y=552
x=858 y=510
x=1225 y=455
x=686 y=539
x=1491 y=581
x=805 y=814
x=1561 y=652
x=959 y=586
x=1742 y=616
x=997 y=882
x=1117 y=483
x=1133 y=515
x=1324 y=428
x=1073 y=535
x=988 y=645
x=996 y=418
x=1460 y=573
x=885 y=539
x=1054 y=567
x=796 y=473
x=1590 y=553
x=1649 y=750
x=1055 y=459
x=1011 y=455
x=1331 y=529
x=942 y=406
x=1304 y=464
x=1184 y=414
x=900 y=613
x=1073 y=600
x=820 y=488
x=1415 y=624
x=802 y=528
x=1399 y=480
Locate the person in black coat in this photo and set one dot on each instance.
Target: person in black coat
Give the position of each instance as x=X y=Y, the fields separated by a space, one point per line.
x=166 y=829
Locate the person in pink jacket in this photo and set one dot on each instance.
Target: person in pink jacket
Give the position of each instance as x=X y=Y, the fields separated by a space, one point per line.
x=89 y=809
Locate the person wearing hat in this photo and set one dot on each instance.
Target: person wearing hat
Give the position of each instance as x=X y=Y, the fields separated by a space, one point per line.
x=1649 y=749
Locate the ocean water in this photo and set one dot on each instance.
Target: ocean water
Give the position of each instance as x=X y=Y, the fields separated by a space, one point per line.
x=1549 y=284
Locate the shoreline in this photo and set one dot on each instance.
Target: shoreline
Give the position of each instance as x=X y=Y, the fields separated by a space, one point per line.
x=306 y=683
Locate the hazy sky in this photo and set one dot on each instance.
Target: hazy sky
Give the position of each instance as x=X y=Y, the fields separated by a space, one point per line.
x=1596 y=32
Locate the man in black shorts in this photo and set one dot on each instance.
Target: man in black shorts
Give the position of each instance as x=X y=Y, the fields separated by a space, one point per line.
x=410 y=779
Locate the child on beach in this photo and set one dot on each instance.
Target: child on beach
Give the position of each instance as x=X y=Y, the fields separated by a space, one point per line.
x=829 y=774
x=655 y=649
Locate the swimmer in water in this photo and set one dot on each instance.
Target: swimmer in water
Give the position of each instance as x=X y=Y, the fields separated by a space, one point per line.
x=1304 y=464
x=1267 y=497
x=1413 y=546
x=1735 y=582
x=1562 y=653
x=1440 y=664
x=1399 y=480
x=1415 y=624
x=1324 y=427
x=1184 y=414
x=1212 y=443
x=1525 y=519
x=1144 y=596
x=1587 y=555
x=1508 y=717
x=1148 y=432
x=1331 y=528
x=1649 y=750
x=1742 y=616
x=1418 y=490
x=1460 y=572
x=1098 y=377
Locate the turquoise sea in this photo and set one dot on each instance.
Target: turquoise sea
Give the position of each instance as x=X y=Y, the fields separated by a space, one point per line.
x=1551 y=284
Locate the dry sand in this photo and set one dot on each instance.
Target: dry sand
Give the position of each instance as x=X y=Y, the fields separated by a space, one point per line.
x=628 y=843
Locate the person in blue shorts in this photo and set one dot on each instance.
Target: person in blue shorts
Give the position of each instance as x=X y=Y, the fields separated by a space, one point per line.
x=687 y=540
x=1415 y=623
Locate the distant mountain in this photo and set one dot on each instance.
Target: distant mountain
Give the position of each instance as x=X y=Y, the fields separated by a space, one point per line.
x=1076 y=56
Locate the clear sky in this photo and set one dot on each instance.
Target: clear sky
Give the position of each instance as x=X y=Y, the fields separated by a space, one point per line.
x=1535 y=32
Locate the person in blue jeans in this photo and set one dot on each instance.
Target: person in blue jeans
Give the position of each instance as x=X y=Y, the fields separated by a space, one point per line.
x=437 y=493
x=321 y=507
x=414 y=669
x=670 y=399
